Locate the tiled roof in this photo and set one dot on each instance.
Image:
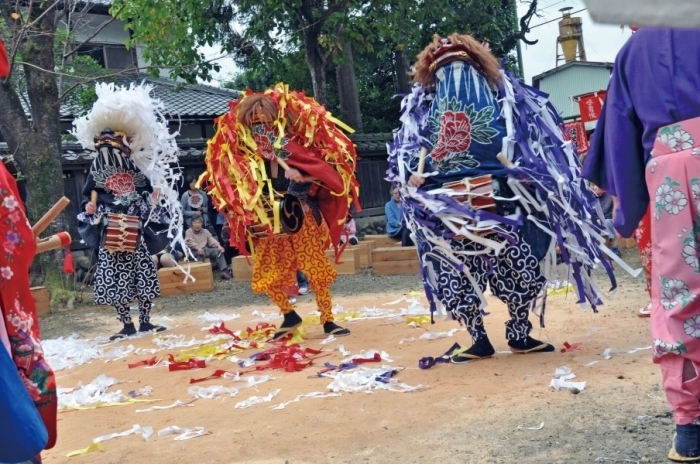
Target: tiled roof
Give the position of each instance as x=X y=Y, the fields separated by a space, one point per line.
x=181 y=100
x=194 y=149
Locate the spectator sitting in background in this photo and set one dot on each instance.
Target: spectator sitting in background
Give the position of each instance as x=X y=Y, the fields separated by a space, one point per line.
x=204 y=245
x=349 y=231
x=168 y=258
x=606 y=204
x=195 y=203
x=395 y=227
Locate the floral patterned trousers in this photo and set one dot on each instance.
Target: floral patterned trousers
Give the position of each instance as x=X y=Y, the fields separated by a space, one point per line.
x=673 y=180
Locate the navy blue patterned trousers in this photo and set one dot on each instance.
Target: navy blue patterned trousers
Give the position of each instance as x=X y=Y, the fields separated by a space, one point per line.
x=514 y=276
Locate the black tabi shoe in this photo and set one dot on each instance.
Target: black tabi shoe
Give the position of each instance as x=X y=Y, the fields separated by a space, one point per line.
x=291 y=321
x=481 y=349
x=226 y=274
x=529 y=345
x=148 y=327
x=127 y=331
x=686 y=444
x=331 y=328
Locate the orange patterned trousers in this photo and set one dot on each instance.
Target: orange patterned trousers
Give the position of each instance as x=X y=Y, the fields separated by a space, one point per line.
x=276 y=261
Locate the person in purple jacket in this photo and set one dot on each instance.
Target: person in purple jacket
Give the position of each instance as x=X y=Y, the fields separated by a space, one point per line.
x=647 y=148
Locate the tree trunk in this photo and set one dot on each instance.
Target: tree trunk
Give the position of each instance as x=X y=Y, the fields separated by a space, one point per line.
x=317 y=64
x=347 y=90
x=401 y=67
x=36 y=145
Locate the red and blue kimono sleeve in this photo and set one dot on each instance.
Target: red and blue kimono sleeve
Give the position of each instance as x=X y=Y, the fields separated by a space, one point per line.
x=17 y=307
x=4 y=63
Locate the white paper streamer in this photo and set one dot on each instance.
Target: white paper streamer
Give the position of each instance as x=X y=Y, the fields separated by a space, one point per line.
x=364 y=380
x=64 y=353
x=91 y=394
x=265 y=317
x=185 y=434
x=253 y=400
x=562 y=375
x=328 y=339
x=342 y=350
x=437 y=335
x=174 y=405
x=300 y=397
x=145 y=432
x=217 y=317
x=118 y=353
x=212 y=391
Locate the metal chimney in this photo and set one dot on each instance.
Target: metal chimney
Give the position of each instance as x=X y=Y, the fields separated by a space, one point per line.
x=570 y=37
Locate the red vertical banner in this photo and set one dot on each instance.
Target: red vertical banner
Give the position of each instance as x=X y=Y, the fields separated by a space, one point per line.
x=576 y=132
x=4 y=64
x=590 y=105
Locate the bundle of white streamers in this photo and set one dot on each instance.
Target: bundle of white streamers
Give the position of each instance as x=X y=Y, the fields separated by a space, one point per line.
x=141 y=117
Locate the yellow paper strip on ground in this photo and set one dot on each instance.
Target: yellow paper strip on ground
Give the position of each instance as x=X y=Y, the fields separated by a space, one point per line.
x=107 y=405
x=95 y=447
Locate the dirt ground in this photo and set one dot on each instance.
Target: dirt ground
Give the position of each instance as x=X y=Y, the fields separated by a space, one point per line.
x=487 y=411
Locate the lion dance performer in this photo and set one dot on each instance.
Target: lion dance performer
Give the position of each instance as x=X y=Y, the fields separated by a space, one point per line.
x=131 y=206
x=25 y=377
x=268 y=144
x=476 y=146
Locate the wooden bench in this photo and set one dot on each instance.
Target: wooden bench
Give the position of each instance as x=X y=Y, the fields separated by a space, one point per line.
x=381 y=241
x=42 y=299
x=626 y=243
x=365 y=250
x=171 y=279
x=350 y=263
x=395 y=261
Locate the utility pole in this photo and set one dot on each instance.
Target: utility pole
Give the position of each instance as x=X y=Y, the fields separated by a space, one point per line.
x=519 y=48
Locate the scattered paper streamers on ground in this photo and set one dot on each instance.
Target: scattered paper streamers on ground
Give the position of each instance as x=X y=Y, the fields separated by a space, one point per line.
x=261 y=316
x=118 y=353
x=174 y=405
x=342 y=350
x=407 y=340
x=64 y=353
x=184 y=434
x=253 y=400
x=301 y=397
x=94 y=395
x=438 y=335
x=366 y=380
x=212 y=391
x=562 y=377
x=93 y=447
x=145 y=432
x=217 y=317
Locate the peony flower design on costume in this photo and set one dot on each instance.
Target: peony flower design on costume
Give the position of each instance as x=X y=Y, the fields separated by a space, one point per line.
x=676 y=138
x=675 y=292
x=692 y=326
x=455 y=128
x=121 y=183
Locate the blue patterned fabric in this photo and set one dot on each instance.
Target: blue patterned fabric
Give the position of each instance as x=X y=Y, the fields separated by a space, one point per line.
x=464 y=125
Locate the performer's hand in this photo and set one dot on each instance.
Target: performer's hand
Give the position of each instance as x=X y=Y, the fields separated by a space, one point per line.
x=294 y=175
x=416 y=180
x=90 y=208
x=221 y=249
x=200 y=252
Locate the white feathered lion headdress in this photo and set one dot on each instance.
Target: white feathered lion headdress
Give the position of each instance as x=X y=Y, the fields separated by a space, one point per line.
x=134 y=112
